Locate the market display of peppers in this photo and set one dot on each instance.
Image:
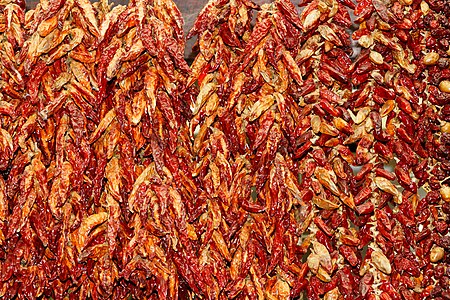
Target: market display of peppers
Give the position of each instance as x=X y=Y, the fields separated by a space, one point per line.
x=281 y=164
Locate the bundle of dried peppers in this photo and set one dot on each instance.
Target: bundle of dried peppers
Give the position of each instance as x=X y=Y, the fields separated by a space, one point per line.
x=304 y=154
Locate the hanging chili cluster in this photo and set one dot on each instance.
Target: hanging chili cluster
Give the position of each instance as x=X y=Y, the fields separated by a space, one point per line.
x=282 y=164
